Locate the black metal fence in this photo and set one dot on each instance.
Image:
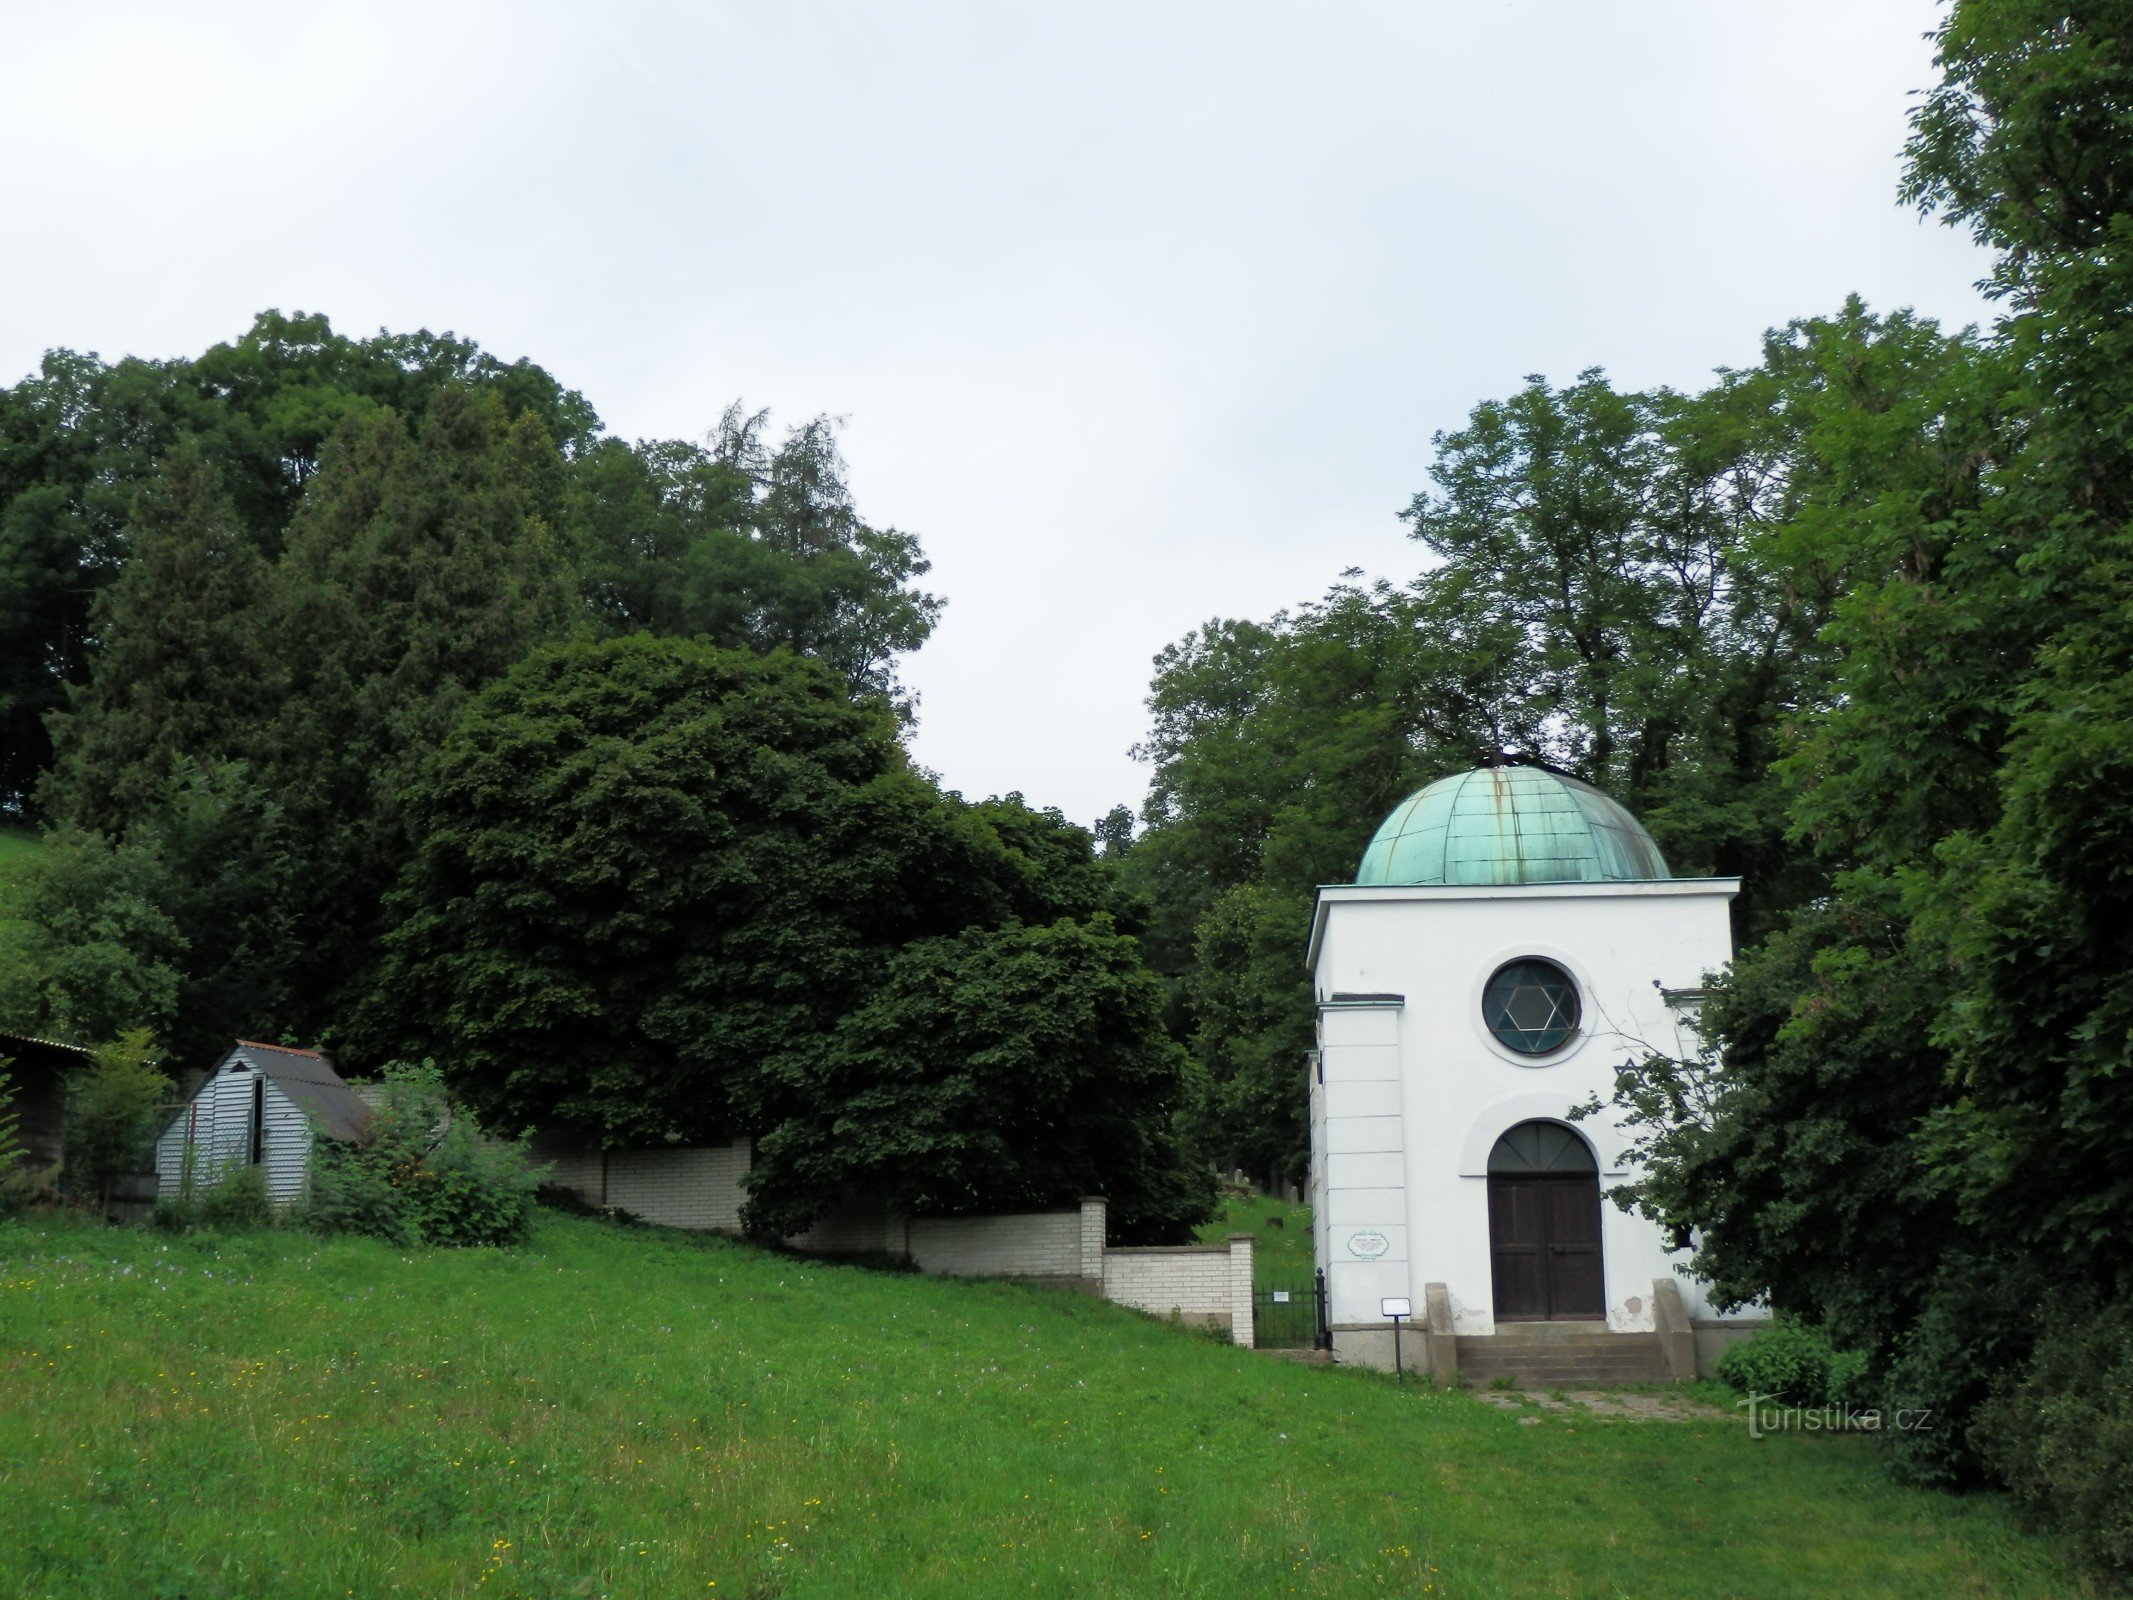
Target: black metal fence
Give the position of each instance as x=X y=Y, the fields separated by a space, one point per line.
x=1291 y=1315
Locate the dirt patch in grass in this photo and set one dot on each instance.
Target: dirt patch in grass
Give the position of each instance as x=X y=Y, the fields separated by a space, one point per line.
x=1638 y=1405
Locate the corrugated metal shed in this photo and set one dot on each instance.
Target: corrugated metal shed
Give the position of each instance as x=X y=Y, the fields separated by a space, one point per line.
x=263 y=1104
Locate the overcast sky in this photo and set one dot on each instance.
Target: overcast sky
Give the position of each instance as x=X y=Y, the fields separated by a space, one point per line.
x=1139 y=314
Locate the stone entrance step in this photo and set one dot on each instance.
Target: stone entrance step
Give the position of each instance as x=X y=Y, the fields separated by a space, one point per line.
x=1554 y=1355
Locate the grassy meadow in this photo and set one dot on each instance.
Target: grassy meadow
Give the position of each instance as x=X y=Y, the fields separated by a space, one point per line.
x=640 y=1413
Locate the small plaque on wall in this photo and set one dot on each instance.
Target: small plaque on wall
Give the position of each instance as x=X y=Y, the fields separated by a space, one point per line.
x=1368 y=1244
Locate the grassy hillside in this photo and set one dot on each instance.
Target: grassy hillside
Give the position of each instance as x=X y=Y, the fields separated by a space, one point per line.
x=18 y=847
x=1281 y=1237
x=647 y=1414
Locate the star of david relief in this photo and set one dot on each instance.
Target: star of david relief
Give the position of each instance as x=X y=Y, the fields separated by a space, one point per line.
x=1532 y=1006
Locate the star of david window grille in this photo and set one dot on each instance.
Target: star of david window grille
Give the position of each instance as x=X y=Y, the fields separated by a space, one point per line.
x=1531 y=1006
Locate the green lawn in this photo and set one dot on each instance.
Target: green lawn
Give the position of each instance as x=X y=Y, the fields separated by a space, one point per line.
x=638 y=1413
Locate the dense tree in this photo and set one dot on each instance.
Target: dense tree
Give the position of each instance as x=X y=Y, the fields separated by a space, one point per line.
x=80 y=439
x=185 y=922
x=190 y=663
x=90 y=952
x=661 y=888
x=421 y=565
x=994 y=1070
x=298 y=554
x=2027 y=902
x=1917 y=1135
x=746 y=544
x=1632 y=588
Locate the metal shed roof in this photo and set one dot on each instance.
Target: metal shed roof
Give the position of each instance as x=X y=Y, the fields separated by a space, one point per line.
x=307 y=1078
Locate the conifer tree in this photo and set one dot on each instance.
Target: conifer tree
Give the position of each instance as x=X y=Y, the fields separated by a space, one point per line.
x=187 y=662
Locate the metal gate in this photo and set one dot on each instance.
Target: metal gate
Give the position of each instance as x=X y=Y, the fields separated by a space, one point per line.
x=1291 y=1315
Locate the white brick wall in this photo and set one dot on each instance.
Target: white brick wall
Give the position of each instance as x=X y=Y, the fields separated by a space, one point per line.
x=681 y=1188
x=1209 y=1284
x=856 y=1229
x=1040 y=1244
x=579 y=1171
x=687 y=1186
x=1095 y=1213
x=700 y=1187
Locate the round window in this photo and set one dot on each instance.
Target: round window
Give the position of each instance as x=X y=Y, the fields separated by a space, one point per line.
x=1531 y=1006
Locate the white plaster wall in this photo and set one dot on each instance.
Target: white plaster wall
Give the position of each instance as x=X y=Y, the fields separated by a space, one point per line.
x=1361 y=1127
x=1459 y=1089
x=1315 y=1177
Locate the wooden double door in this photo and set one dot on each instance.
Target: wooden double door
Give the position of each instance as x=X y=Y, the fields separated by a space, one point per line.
x=1544 y=1246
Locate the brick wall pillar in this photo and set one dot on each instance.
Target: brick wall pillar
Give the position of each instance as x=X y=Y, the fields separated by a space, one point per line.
x=1095 y=1215
x=1240 y=1289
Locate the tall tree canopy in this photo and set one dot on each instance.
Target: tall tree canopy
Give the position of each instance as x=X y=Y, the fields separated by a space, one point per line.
x=290 y=561
x=1857 y=624
x=1938 y=1052
x=667 y=892
x=80 y=439
x=748 y=544
x=1632 y=588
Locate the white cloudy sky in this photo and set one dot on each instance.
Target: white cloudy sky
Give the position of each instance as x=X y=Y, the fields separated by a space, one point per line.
x=1140 y=313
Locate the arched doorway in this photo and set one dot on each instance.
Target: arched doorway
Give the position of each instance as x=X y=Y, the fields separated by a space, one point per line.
x=1544 y=1226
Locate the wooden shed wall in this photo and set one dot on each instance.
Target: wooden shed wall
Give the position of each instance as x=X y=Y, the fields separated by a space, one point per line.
x=218 y=1120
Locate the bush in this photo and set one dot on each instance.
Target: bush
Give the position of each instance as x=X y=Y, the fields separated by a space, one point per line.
x=116 y=1110
x=424 y=1173
x=2059 y=1432
x=236 y=1199
x=1961 y=1340
x=1793 y=1363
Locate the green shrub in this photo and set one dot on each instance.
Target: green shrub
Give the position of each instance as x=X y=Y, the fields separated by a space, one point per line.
x=1943 y=1368
x=424 y=1173
x=1786 y=1361
x=114 y=1114
x=237 y=1198
x=352 y=1191
x=2059 y=1433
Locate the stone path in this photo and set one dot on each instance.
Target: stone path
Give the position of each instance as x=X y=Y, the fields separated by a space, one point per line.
x=1639 y=1405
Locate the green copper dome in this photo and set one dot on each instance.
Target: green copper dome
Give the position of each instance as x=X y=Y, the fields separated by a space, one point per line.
x=1500 y=825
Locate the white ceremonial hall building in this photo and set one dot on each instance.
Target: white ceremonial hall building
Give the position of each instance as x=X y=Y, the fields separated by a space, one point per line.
x=1512 y=938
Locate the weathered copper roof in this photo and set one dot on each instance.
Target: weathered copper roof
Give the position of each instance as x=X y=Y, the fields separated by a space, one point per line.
x=1507 y=825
